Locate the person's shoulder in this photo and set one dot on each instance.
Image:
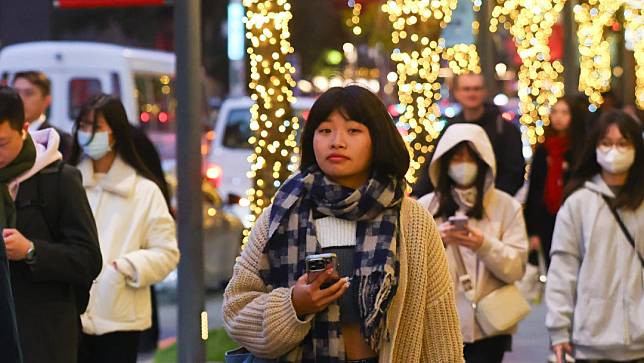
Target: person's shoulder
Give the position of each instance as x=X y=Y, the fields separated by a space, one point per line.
x=501 y=198
x=413 y=212
x=426 y=200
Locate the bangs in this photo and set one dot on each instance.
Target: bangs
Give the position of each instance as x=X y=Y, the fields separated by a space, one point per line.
x=343 y=100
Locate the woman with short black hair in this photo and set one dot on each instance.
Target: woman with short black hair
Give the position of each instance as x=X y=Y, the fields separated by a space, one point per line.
x=390 y=298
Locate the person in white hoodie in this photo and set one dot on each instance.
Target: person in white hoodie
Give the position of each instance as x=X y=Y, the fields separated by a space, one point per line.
x=492 y=243
x=595 y=289
x=136 y=232
x=50 y=239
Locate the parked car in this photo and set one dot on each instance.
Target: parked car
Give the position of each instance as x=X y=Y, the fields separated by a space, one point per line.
x=227 y=162
x=222 y=236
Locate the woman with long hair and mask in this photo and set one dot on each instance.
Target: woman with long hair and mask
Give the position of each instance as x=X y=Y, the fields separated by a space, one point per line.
x=595 y=289
x=135 y=228
x=393 y=300
x=489 y=244
x=551 y=166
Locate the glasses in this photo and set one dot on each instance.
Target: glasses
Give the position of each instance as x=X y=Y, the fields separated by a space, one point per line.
x=621 y=146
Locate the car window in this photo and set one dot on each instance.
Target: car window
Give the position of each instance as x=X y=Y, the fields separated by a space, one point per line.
x=80 y=91
x=237 y=130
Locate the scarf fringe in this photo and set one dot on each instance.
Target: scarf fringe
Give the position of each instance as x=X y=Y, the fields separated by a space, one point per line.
x=375 y=322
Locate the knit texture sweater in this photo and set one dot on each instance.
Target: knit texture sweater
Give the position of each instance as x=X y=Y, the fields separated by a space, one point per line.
x=422 y=323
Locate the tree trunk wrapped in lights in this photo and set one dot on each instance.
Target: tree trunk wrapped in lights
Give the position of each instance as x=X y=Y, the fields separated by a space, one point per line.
x=634 y=27
x=274 y=128
x=530 y=22
x=592 y=16
x=417 y=26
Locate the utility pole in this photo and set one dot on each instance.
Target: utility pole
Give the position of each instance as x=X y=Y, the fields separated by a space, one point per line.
x=571 y=50
x=193 y=320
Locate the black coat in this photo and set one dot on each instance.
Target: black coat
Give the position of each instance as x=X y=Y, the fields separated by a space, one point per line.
x=48 y=292
x=9 y=344
x=66 y=141
x=538 y=220
x=508 y=150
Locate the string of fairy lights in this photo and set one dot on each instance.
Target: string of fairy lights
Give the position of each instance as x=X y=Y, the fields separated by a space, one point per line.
x=416 y=36
x=592 y=16
x=634 y=36
x=539 y=80
x=271 y=86
x=464 y=58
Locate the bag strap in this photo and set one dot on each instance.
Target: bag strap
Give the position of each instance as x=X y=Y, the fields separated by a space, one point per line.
x=619 y=220
x=463 y=277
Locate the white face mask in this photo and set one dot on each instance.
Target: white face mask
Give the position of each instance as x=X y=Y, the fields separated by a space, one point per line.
x=614 y=161
x=463 y=173
x=98 y=147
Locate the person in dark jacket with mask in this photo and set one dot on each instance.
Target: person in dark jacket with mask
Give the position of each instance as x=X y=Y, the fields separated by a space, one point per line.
x=469 y=90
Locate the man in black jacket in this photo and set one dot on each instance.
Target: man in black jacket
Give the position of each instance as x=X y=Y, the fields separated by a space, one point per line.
x=9 y=344
x=49 y=234
x=35 y=91
x=469 y=91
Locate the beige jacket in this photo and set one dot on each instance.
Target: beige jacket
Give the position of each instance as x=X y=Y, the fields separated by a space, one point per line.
x=422 y=323
x=502 y=257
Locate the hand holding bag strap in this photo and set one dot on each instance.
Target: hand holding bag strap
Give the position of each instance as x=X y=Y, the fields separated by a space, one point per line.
x=619 y=220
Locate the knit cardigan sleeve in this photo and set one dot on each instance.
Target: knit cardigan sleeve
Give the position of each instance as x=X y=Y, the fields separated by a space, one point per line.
x=442 y=339
x=262 y=321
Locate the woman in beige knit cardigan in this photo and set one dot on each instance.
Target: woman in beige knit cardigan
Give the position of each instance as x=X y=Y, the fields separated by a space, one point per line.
x=393 y=300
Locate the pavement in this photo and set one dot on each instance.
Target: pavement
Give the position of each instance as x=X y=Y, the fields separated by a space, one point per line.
x=530 y=344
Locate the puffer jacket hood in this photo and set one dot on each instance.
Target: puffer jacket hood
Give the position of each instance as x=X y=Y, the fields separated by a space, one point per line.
x=476 y=137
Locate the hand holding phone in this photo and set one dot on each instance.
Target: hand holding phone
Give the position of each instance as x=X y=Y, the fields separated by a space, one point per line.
x=320 y=263
x=459 y=222
x=308 y=295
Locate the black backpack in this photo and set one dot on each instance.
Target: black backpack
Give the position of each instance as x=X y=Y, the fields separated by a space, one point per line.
x=49 y=204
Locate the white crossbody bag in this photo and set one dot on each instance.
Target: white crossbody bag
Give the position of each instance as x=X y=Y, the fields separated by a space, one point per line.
x=498 y=311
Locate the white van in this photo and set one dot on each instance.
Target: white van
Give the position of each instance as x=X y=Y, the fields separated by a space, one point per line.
x=78 y=70
x=227 y=161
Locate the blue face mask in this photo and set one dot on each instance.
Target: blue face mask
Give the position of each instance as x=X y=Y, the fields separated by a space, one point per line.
x=98 y=147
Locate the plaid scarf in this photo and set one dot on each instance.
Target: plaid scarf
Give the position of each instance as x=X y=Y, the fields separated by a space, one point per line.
x=376 y=208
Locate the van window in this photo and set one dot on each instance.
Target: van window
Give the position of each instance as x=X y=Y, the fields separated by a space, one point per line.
x=80 y=91
x=157 y=105
x=237 y=131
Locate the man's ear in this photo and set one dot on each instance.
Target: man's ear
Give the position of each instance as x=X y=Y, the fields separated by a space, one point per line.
x=25 y=130
x=47 y=101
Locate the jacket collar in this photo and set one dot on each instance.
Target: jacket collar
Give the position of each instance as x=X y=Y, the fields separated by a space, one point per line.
x=598 y=185
x=120 y=179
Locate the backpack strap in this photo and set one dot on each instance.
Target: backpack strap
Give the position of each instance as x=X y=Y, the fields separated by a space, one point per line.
x=622 y=226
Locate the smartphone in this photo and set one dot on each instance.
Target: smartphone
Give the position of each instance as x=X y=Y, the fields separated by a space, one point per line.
x=458 y=222
x=317 y=264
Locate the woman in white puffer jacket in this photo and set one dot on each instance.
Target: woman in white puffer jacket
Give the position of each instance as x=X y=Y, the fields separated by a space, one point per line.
x=136 y=232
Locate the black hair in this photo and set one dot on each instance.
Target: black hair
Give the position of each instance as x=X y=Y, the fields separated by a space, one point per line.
x=631 y=194
x=38 y=79
x=390 y=155
x=576 y=132
x=447 y=204
x=11 y=108
x=111 y=108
